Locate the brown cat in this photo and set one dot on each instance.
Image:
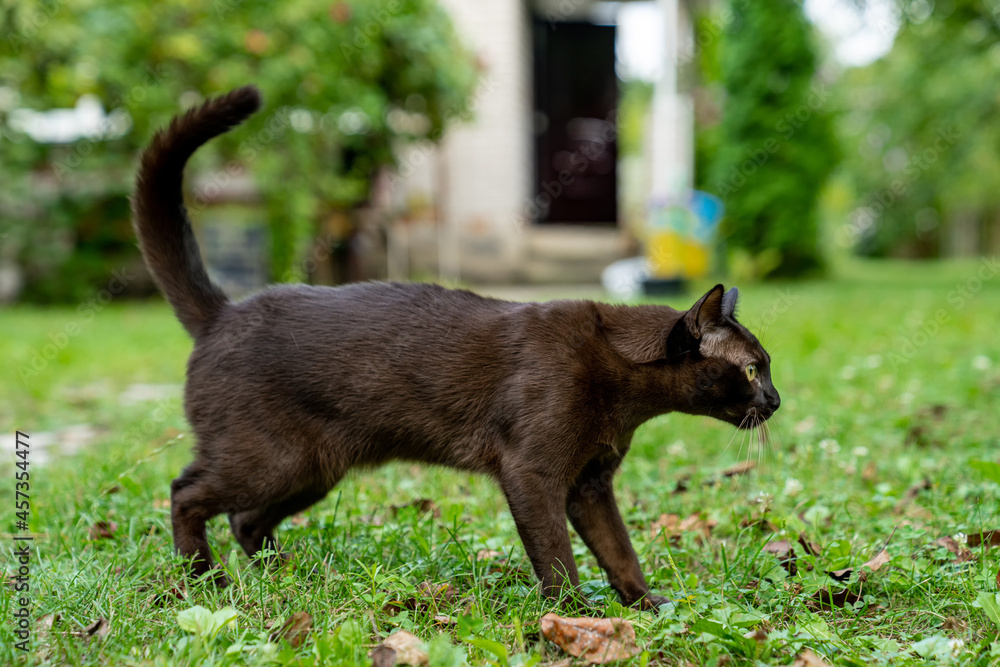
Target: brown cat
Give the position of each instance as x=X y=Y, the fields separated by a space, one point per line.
x=292 y=387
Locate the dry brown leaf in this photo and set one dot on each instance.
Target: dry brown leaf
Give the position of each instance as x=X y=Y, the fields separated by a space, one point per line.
x=672 y=526
x=596 y=640
x=783 y=551
x=876 y=562
x=740 y=468
x=873 y=564
x=295 y=629
x=810 y=548
x=421 y=504
x=103 y=530
x=44 y=625
x=962 y=555
x=436 y=592
x=96 y=630
x=991 y=538
x=912 y=493
x=954 y=624
x=383 y=656
x=757 y=634
x=808 y=659
x=488 y=554
x=825 y=600
x=408 y=649
x=763 y=525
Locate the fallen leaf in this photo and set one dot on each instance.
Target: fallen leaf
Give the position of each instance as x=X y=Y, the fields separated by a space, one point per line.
x=383 y=656
x=763 y=525
x=45 y=624
x=672 y=526
x=841 y=575
x=436 y=592
x=442 y=619
x=757 y=634
x=808 y=659
x=825 y=600
x=407 y=649
x=740 y=468
x=783 y=551
x=421 y=504
x=991 y=538
x=810 y=548
x=96 y=630
x=103 y=530
x=596 y=640
x=912 y=493
x=873 y=564
x=295 y=629
x=954 y=624
x=876 y=562
x=962 y=555
x=488 y=554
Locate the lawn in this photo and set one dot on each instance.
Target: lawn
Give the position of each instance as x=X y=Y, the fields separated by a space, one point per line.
x=887 y=438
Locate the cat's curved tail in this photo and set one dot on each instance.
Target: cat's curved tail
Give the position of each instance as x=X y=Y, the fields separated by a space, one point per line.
x=160 y=218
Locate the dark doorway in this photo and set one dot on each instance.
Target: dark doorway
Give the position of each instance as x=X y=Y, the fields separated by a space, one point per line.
x=576 y=96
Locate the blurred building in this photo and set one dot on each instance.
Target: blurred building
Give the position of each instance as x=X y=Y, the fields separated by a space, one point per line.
x=531 y=190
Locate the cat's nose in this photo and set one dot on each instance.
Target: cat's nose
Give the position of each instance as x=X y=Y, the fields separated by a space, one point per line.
x=773 y=401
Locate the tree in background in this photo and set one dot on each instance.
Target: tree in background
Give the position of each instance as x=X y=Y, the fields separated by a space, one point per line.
x=775 y=146
x=923 y=137
x=343 y=82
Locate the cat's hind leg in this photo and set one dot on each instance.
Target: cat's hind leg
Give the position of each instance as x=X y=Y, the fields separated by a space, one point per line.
x=254 y=528
x=194 y=499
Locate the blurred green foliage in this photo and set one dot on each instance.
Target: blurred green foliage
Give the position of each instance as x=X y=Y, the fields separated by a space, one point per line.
x=921 y=135
x=775 y=145
x=344 y=82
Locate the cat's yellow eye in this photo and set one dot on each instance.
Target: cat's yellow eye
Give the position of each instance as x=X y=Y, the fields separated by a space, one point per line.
x=751 y=371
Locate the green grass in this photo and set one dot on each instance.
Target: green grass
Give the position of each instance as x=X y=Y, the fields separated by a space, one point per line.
x=858 y=428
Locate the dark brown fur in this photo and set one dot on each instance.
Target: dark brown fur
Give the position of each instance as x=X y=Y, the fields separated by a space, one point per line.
x=291 y=388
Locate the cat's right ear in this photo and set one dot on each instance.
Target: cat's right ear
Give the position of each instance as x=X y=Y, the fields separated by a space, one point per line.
x=704 y=315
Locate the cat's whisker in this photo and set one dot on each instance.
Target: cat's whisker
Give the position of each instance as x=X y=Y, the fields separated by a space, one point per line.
x=736 y=432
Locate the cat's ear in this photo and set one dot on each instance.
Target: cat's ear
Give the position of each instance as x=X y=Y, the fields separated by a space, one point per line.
x=706 y=313
x=729 y=303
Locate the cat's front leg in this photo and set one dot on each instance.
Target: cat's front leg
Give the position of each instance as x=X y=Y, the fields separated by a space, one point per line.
x=594 y=513
x=537 y=503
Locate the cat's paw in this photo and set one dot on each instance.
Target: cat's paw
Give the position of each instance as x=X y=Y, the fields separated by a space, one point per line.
x=651 y=602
